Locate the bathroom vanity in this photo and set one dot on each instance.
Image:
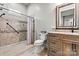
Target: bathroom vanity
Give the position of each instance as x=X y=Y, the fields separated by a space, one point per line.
x=63 y=44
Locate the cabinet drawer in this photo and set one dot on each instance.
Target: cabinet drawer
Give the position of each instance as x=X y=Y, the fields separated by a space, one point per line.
x=57 y=42
x=53 y=38
x=55 y=45
x=55 y=48
x=52 y=43
x=51 y=54
x=71 y=37
x=55 y=52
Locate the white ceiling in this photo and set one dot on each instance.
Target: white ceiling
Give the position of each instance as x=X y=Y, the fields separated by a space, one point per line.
x=26 y=4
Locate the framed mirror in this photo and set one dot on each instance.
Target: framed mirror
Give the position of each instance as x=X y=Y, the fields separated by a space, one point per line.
x=66 y=16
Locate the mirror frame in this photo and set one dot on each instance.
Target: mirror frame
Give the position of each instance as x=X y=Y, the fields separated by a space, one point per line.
x=57 y=17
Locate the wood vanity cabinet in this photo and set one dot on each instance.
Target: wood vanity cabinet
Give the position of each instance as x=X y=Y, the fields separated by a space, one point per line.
x=63 y=45
x=54 y=45
x=67 y=48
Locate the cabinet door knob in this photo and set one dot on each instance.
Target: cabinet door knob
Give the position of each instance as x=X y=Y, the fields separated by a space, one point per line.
x=73 y=47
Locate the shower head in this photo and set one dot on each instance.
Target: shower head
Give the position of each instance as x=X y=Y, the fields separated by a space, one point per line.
x=2 y=14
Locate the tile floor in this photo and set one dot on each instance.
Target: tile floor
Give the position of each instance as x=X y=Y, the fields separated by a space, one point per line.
x=22 y=49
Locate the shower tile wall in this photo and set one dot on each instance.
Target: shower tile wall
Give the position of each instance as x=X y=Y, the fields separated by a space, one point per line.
x=7 y=34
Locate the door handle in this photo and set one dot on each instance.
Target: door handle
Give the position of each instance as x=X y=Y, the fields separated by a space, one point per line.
x=74 y=49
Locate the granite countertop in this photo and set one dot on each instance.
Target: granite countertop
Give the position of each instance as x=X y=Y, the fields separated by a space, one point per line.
x=69 y=33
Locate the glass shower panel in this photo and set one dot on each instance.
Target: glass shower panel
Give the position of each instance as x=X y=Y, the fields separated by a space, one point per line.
x=11 y=23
